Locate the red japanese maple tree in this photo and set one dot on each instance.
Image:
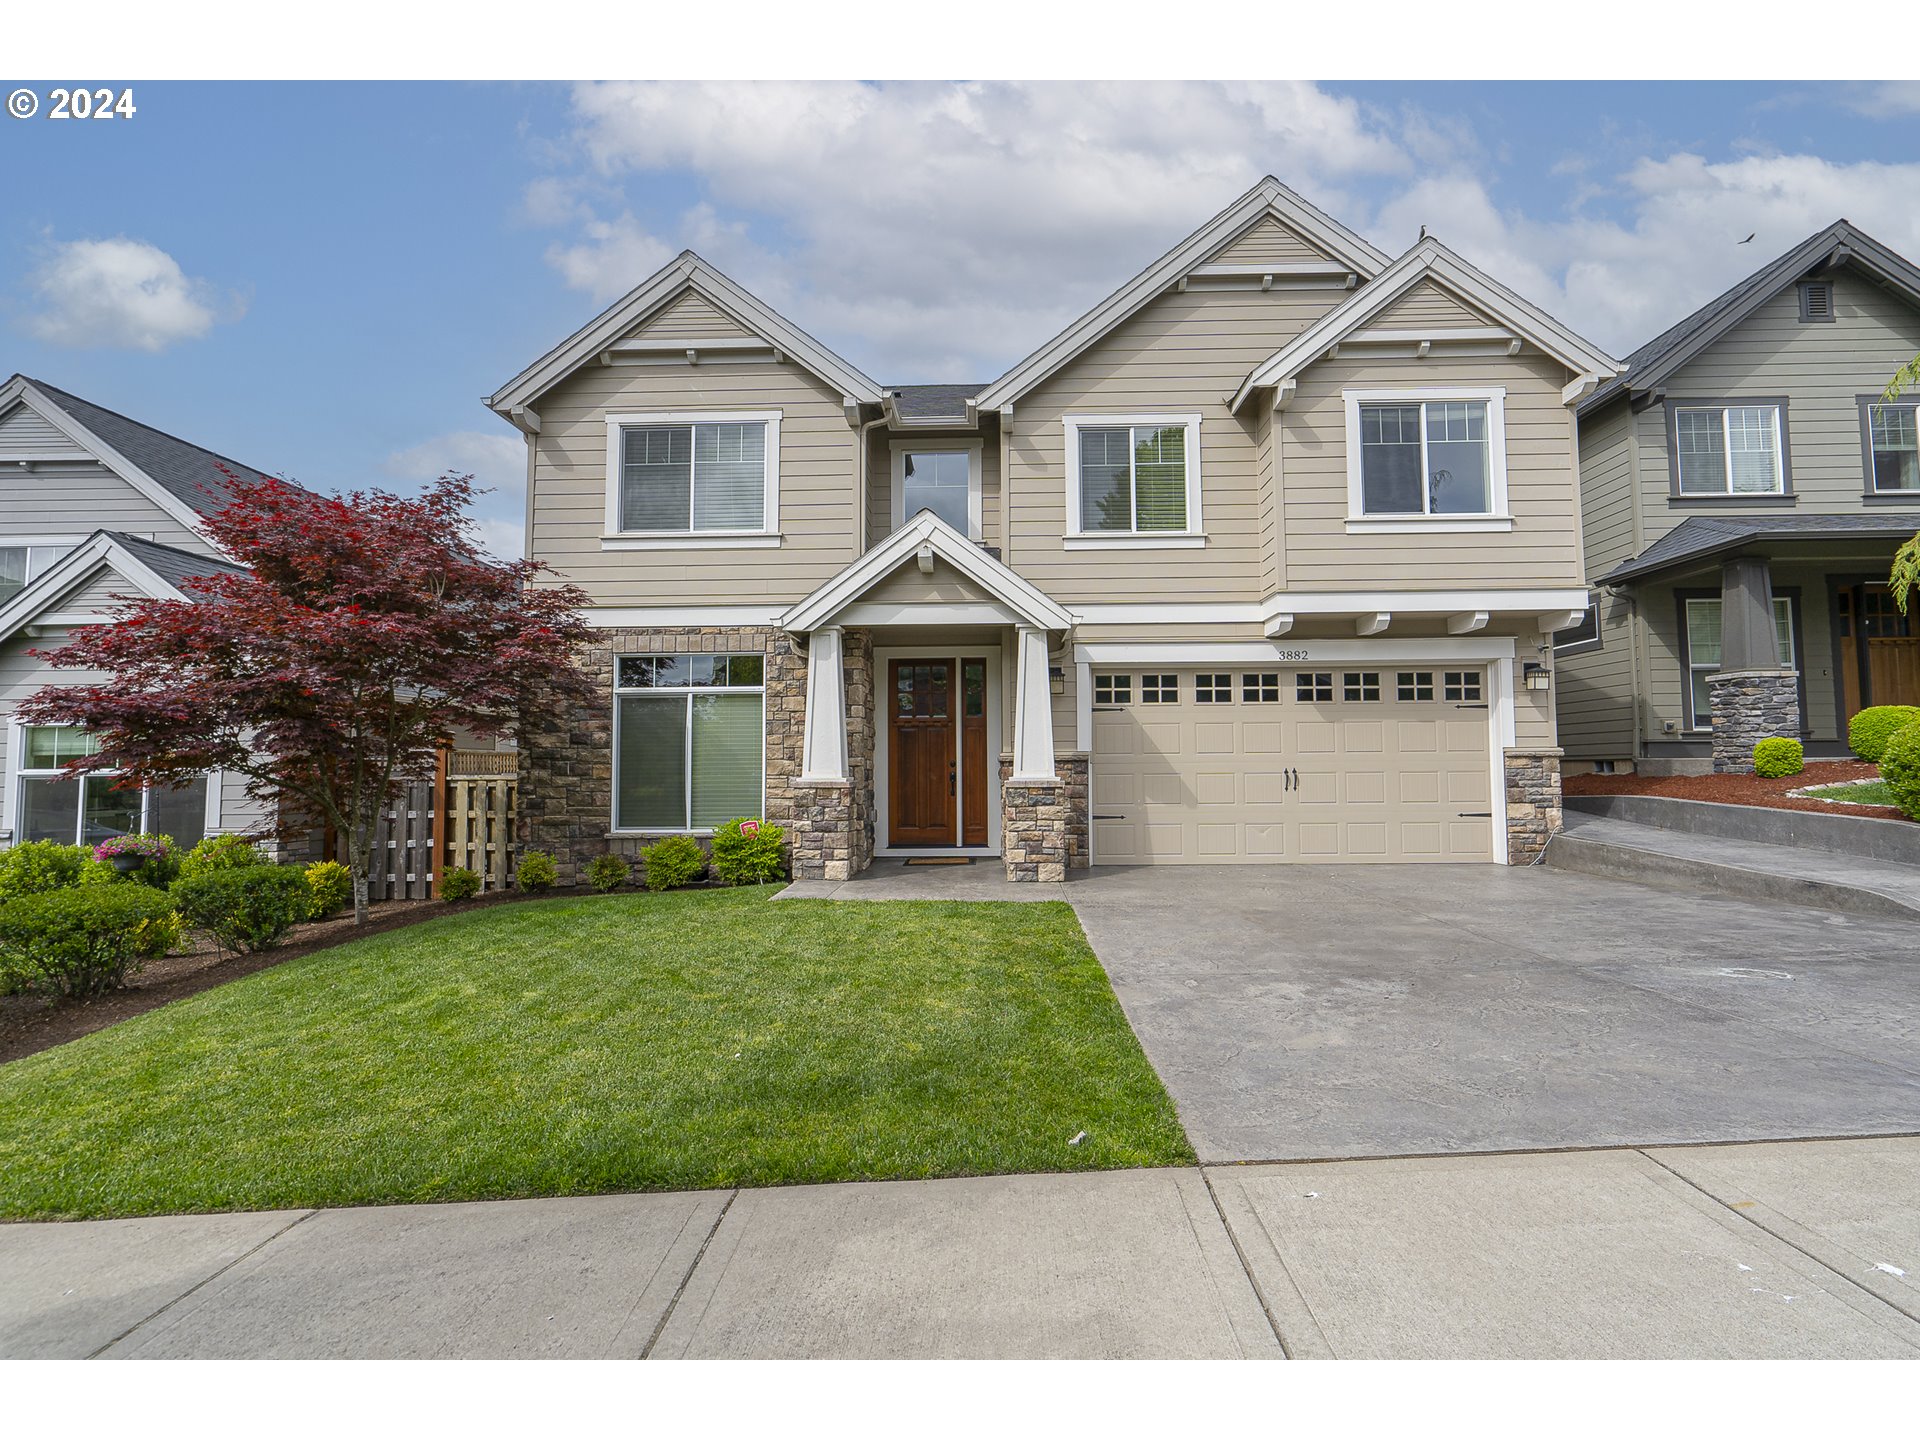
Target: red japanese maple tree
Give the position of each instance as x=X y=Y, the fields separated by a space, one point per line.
x=366 y=629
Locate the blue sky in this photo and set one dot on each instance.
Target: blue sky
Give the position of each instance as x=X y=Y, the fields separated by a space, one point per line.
x=323 y=279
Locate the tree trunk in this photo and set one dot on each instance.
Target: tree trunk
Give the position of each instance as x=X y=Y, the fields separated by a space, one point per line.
x=360 y=862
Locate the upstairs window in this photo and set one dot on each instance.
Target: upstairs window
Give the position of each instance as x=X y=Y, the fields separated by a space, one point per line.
x=693 y=474
x=1433 y=457
x=1728 y=450
x=22 y=564
x=1893 y=449
x=1133 y=475
x=945 y=480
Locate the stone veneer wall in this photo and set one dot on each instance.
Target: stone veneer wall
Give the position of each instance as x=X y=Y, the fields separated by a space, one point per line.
x=1075 y=770
x=1044 y=823
x=566 y=759
x=1749 y=706
x=1533 y=803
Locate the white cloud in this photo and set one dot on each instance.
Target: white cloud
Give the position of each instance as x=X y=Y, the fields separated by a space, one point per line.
x=121 y=294
x=1889 y=99
x=498 y=464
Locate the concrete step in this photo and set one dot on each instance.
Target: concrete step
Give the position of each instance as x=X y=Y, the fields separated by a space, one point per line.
x=1748 y=869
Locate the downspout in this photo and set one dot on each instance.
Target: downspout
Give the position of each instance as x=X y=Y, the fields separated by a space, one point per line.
x=863 y=525
x=1636 y=640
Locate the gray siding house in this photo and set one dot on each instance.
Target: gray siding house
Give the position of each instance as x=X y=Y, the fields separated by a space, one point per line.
x=94 y=505
x=1743 y=488
x=1258 y=561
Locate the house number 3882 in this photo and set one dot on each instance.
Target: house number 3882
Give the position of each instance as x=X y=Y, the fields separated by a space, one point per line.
x=90 y=104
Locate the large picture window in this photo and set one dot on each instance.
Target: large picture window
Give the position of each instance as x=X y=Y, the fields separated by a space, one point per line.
x=693 y=475
x=689 y=741
x=1436 y=459
x=1702 y=616
x=1133 y=476
x=1729 y=450
x=85 y=810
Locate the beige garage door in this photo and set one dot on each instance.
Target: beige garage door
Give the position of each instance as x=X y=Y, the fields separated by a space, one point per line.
x=1203 y=767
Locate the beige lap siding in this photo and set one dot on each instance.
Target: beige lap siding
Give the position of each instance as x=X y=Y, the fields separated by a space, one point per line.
x=1426 y=306
x=818 y=518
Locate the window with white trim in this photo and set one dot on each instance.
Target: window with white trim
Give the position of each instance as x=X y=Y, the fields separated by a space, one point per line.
x=1427 y=457
x=693 y=474
x=1133 y=475
x=87 y=809
x=1728 y=450
x=1703 y=650
x=1893 y=449
x=689 y=741
x=944 y=479
x=22 y=564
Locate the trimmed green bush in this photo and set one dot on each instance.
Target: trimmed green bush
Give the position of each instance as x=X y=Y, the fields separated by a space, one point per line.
x=81 y=940
x=670 y=863
x=221 y=852
x=749 y=852
x=331 y=884
x=536 y=872
x=1870 y=730
x=607 y=873
x=1900 y=768
x=1778 y=756
x=244 y=908
x=34 y=867
x=459 y=883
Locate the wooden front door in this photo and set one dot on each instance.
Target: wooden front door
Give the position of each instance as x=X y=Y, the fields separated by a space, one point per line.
x=1879 y=651
x=923 y=780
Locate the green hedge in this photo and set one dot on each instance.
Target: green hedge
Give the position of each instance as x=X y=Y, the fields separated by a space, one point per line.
x=536 y=873
x=1900 y=768
x=749 y=856
x=670 y=863
x=221 y=852
x=34 y=867
x=1870 y=730
x=82 y=940
x=247 y=908
x=1777 y=757
x=607 y=873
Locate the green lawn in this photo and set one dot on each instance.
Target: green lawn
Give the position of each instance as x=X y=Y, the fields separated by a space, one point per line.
x=1857 y=792
x=632 y=1042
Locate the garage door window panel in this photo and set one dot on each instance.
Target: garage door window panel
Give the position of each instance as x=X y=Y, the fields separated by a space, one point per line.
x=1113 y=689
x=1213 y=689
x=1262 y=688
x=1362 y=685
x=1313 y=685
x=1159 y=689
x=1414 y=685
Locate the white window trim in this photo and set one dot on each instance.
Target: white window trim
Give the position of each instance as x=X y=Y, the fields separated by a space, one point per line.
x=1726 y=409
x=1791 y=660
x=1873 y=479
x=689 y=691
x=1496 y=519
x=17 y=774
x=614 y=538
x=66 y=543
x=972 y=449
x=1191 y=538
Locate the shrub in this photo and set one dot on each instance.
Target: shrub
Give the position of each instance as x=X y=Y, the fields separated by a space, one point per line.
x=221 y=852
x=536 y=872
x=1870 y=730
x=607 y=873
x=1900 y=768
x=1778 y=756
x=459 y=883
x=675 y=861
x=748 y=852
x=157 y=861
x=36 y=866
x=80 y=941
x=331 y=887
x=244 y=908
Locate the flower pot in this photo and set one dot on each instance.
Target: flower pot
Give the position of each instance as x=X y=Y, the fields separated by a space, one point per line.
x=126 y=864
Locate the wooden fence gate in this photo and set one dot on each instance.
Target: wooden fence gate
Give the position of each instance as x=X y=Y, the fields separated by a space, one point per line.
x=461 y=817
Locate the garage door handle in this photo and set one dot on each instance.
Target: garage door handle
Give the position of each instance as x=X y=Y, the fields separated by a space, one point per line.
x=1475 y=815
x=1469 y=707
x=1109 y=817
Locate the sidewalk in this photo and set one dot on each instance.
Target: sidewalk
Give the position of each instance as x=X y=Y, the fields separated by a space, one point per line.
x=1780 y=1250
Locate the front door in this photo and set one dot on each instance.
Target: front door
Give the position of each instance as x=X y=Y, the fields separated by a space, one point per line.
x=1879 y=651
x=923 y=758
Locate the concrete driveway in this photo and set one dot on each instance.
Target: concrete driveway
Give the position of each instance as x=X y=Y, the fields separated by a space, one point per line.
x=1330 y=1012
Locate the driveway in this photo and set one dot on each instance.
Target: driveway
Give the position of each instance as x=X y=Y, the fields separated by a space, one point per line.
x=1331 y=1012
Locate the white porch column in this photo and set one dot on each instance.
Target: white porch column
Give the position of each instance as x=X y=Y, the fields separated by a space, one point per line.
x=1033 y=710
x=824 y=747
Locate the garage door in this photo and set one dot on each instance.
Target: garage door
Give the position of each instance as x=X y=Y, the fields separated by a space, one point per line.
x=1202 y=767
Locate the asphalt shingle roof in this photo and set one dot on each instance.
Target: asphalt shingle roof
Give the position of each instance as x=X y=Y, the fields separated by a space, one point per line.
x=1700 y=536
x=186 y=471
x=929 y=402
x=173 y=565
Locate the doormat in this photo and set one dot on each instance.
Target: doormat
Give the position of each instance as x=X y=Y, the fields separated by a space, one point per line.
x=941 y=860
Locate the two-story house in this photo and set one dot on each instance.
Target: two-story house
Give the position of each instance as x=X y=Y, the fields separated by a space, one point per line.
x=1744 y=486
x=1257 y=561
x=92 y=506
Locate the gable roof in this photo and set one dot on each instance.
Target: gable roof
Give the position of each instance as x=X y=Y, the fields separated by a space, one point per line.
x=1268 y=197
x=183 y=478
x=933 y=402
x=1032 y=605
x=1701 y=537
x=685 y=271
x=1841 y=242
x=160 y=571
x=1429 y=259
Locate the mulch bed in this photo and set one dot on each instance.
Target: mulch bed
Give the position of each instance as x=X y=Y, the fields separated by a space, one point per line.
x=29 y=1024
x=1744 y=789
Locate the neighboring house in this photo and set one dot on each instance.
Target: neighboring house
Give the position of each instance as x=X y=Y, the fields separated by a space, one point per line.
x=1744 y=489
x=1257 y=561
x=93 y=505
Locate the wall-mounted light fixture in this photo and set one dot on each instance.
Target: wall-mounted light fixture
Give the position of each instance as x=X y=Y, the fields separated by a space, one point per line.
x=1057 y=679
x=1536 y=676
